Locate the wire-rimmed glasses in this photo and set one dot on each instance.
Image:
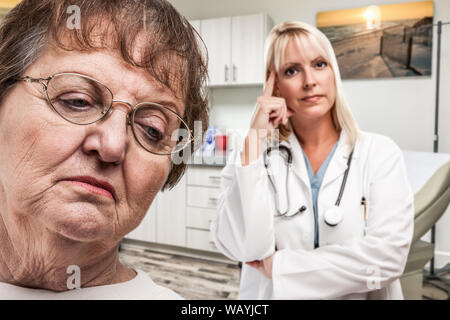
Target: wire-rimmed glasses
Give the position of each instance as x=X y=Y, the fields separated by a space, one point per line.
x=82 y=100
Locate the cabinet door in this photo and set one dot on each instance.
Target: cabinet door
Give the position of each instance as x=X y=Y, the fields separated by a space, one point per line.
x=200 y=239
x=204 y=176
x=248 y=34
x=203 y=197
x=146 y=231
x=171 y=215
x=199 y=218
x=196 y=24
x=216 y=34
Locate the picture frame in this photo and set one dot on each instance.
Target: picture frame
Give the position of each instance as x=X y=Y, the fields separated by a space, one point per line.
x=385 y=41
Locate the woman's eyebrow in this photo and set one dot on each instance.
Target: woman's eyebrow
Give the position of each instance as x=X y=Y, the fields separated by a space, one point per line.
x=164 y=101
x=320 y=58
x=171 y=104
x=296 y=63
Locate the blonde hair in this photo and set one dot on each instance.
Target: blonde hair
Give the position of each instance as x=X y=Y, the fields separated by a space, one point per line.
x=276 y=44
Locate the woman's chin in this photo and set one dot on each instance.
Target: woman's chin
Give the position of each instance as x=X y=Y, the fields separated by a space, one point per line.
x=312 y=113
x=80 y=222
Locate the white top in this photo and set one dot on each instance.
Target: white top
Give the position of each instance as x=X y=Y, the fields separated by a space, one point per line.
x=362 y=257
x=140 y=287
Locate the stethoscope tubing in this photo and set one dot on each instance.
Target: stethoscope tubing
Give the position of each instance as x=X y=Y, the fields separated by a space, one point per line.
x=289 y=163
x=344 y=181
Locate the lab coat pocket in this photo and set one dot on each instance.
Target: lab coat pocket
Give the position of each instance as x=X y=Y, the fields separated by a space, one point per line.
x=351 y=228
x=294 y=232
x=297 y=231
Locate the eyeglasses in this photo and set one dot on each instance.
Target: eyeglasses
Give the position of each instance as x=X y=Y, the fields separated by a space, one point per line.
x=83 y=100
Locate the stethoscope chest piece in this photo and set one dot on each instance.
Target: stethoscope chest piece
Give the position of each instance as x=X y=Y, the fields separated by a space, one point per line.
x=334 y=216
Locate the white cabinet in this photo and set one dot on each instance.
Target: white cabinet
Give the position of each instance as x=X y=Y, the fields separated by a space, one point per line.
x=203 y=176
x=248 y=34
x=236 y=48
x=199 y=218
x=216 y=34
x=165 y=222
x=171 y=215
x=182 y=216
x=146 y=231
x=202 y=197
x=200 y=239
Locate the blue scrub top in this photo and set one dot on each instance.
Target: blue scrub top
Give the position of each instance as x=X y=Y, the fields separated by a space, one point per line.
x=316 y=182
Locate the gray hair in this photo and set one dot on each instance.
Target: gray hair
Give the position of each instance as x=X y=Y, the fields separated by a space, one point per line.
x=171 y=55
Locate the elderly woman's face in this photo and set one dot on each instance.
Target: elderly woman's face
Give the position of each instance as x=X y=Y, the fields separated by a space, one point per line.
x=83 y=182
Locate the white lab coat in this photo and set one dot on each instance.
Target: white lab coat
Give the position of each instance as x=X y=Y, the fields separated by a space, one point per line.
x=355 y=260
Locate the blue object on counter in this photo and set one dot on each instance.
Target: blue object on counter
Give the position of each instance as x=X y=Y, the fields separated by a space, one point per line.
x=209 y=145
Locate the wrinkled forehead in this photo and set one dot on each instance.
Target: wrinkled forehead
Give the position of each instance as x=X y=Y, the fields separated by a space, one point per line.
x=126 y=82
x=145 y=50
x=308 y=45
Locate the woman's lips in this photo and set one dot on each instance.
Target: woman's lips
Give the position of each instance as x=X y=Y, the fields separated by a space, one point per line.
x=312 y=98
x=95 y=186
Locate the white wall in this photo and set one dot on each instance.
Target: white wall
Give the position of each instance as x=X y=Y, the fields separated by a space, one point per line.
x=401 y=108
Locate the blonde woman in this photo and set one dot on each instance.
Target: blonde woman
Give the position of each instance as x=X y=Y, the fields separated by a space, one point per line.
x=335 y=219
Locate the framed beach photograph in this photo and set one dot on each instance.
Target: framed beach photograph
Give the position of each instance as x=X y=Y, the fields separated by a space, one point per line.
x=381 y=41
x=5 y=6
x=3 y=12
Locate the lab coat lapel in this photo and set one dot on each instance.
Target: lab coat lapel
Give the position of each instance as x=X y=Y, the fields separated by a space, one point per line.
x=298 y=162
x=336 y=167
x=338 y=163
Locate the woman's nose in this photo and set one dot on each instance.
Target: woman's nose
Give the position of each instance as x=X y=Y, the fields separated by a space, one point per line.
x=309 y=80
x=108 y=138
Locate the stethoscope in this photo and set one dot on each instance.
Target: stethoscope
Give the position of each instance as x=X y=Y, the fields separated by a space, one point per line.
x=333 y=216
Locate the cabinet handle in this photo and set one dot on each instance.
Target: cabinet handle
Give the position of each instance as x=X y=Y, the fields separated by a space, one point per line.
x=226 y=73
x=234 y=72
x=214 y=177
x=213 y=201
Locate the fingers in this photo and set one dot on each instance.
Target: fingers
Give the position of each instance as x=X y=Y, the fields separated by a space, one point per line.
x=254 y=264
x=280 y=116
x=270 y=111
x=264 y=266
x=283 y=118
x=286 y=114
x=289 y=113
x=279 y=113
x=270 y=84
x=276 y=116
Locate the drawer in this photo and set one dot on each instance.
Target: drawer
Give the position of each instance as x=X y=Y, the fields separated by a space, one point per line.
x=199 y=217
x=203 y=176
x=200 y=239
x=202 y=197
